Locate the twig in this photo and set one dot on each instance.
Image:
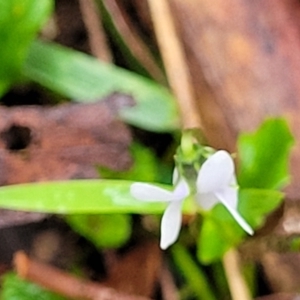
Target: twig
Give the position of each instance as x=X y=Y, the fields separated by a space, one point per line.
x=61 y=282
x=237 y=284
x=91 y=19
x=138 y=48
x=168 y=287
x=174 y=62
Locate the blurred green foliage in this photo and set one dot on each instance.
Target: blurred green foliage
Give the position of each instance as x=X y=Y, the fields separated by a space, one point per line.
x=264 y=155
x=15 y=288
x=145 y=166
x=197 y=283
x=20 y=22
x=104 y=231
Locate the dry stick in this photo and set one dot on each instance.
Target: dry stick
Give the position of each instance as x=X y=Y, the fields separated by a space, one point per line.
x=174 y=62
x=180 y=82
x=97 y=39
x=168 y=287
x=237 y=284
x=138 y=48
x=62 y=283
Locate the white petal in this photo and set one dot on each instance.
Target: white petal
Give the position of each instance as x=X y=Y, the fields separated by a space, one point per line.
x=230 y=195
x=182 y=190
x=175 y=176
x=148 y=192
x=170 y=224
x=215 y=173
x=236 y=215
x=206 y=201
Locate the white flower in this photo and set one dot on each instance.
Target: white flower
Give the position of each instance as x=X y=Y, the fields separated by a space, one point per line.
x=216 y=183
x=171 y=220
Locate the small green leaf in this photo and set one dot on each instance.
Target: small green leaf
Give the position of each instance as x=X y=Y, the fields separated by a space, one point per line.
x=19 y=23
x=218 y=234
x=220 y=231
x=104 y=231
x=83 y=78
x=211 y=245
x=256 y=204
x=264 y=156
x=13 y=287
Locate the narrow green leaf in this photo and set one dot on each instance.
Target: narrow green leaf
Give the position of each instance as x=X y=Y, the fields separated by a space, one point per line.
x=264 y=156
x=77 y=197
x=104 y=231
x=19 y=23
x=195 y=277
x=83 y=78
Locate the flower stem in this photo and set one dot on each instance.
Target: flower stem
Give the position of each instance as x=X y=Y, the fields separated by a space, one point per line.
x=192 y=273
x=174 y=61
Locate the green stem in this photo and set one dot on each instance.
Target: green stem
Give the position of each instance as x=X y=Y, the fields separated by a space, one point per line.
x=192 y=273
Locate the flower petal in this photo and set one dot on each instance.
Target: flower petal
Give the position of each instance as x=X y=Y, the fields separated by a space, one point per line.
x=235 y=215
x=182 y=190
x=206 y=201
x=151 y=193
x=215 y=173
x=170 y=224
x=175 y=176
x=230 y=195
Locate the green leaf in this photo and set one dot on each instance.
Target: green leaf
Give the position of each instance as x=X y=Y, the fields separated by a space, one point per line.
x=220 y=231
x=81 y=77
x=264 y=156
x=81 y=197
x=77 y=197
x=13 y=287
x=19 y=23
x=218 y=234
x=195 y=277
x=256 y=204
x=104 y=231
x=211 y=244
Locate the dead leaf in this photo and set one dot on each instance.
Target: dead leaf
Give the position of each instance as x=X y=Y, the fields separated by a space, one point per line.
x=137 y=271
x=245 y=61
x=61 y=142
x=10 y=218
x=280 y=296
x=287 y=279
